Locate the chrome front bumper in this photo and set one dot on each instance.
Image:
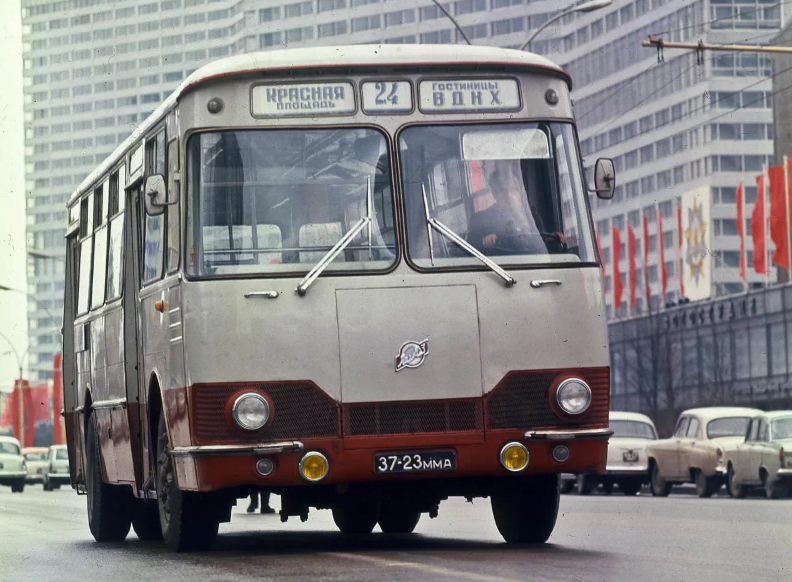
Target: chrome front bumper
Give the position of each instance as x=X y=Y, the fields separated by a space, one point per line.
x=225 y=450
x=12 y=475
x=632 y=470
x=784 y=475
x=568 y=435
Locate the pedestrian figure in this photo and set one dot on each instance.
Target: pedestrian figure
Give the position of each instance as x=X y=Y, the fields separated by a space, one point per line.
x=254 y=502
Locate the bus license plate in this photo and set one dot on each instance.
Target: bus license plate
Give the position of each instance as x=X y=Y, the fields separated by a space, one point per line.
x=414 y=462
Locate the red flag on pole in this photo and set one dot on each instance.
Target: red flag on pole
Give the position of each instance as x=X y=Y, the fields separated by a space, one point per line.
x=661 y=257
x=741 y=230
x=30 y=418
x=615 y=258
x=631 y=278
x=778 y=213
x=647 y=291
x=679 y=261
x=758 y=229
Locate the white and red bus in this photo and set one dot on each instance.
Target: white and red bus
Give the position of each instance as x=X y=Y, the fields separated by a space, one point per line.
x=363 y=278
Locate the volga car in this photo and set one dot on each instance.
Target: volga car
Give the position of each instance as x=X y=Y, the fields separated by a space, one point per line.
x=57 y=468
x=764 y=458
x=37 y=460
x=13 y=469
x=696 y=452
x=627 y=461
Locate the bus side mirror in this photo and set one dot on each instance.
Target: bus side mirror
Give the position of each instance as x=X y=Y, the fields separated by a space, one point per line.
x=604 y=179
x=156 y=195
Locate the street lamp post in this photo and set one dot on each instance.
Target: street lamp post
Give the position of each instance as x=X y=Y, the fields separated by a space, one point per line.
x=20 y=403
x=586 y=7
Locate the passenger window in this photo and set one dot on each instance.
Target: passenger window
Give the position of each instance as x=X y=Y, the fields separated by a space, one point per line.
x=86 y=247
x=762 y=436
x=116 y=245
x=154 y=230
x=693 y=429
x=100 y=247
x=173 y=211
x=681 y=428
x=754 y=429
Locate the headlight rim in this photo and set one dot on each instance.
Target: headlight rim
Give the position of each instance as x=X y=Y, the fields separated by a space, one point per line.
x=555 y=397
x=302 y=462
x=234 y=402
x=519 y=445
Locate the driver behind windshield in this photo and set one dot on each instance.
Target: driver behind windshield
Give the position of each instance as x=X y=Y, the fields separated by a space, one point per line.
x=502 y=221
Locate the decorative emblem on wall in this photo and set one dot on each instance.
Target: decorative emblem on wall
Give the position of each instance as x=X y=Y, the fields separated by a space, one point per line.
x=412 y=354
x=696 y=237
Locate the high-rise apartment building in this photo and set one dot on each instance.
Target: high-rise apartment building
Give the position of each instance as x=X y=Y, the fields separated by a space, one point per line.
x=93 y=69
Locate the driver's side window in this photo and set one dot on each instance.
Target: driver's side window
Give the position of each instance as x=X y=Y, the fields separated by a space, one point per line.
x=754 y=429
x=681 y=428
x=693 y=429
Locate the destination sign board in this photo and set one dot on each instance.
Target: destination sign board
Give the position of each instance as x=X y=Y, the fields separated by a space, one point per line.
x=303 y=99
x=384 y=96
x=445 y=95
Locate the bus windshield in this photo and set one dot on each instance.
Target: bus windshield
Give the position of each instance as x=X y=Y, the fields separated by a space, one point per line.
x=514 y=192
x=276 y=201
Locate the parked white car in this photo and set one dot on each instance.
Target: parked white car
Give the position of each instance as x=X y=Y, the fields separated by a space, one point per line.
x=37 y=460
x=696 y=453
x=12 y=464
x=764 y=458
x=627 y=462
x=58 y=468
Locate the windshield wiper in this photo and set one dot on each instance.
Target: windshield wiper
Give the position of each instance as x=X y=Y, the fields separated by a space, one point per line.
x=340 y=245
x=462 y=243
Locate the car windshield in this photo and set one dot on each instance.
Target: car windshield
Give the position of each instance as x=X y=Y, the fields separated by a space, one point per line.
x=782 y=428
x=514 y=192
x=726 y=427
x=632 y=429
x=35 y=456
x=276 y=201
x=61 y=455
x=9 y=449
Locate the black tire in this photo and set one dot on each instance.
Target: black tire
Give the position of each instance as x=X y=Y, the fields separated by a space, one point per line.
x=525 y=510
x=659 y=486
x=356 y=516
x=607 y=488
x=705 y=486
x=630 y=488
x=109 y=506
x=18 y=487
x=585 y=484
x=772 y=489
x=398 y=518
x=189 y=521
x=566 y=486
x=146 y=521
x=733 y=486
x=46 y=486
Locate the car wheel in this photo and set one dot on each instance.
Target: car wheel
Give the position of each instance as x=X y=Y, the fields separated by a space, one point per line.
x=567 y=486
x=109 y=506
x=525 y=510
x=585 y=484
x=659 y=486
x=46 y=486
x=146 y=521
x=357 y=515
x=630 y=487
x=18 y=487
x=772 y=489
x=706 y=486
x=398 y=518
x=607 y=488
x=189 y=521
x=733 y=485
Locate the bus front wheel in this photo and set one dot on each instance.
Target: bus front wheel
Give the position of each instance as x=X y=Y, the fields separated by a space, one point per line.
x=398 y=518
x=356 y=516
x=189 y=523
x=109 y=506
x=525 y=509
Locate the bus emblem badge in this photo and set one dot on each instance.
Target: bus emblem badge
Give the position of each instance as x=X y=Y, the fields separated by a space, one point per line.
x=412 y=354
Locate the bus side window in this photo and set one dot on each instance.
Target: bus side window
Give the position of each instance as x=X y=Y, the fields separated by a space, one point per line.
x=100 y=246
x=86 y=246
x=114 y=270
x=172 y=251
x=154 y=230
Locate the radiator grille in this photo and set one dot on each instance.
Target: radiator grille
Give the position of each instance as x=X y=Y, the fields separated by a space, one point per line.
x=522 y=400
x=391 y=418
x=302 y=410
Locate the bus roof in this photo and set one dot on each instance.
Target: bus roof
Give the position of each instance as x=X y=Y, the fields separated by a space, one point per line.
x=384 y=55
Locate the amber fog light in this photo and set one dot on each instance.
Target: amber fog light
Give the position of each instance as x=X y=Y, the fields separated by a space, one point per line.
x=561 y=453
x=514 y=457
x=314 y=466
x=573 y=396
x=264 y=467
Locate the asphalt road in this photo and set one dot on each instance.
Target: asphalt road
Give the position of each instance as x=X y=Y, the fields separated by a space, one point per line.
x=44 y=536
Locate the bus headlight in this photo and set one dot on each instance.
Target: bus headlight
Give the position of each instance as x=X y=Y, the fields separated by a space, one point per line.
x=573 y=396
x=250 y=411
x=314 y=466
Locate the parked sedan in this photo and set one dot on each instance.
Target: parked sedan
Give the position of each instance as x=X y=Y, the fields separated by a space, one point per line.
x=12 y=464
x=627 y=463
x=37 y=460
x=57 y=469
x=762 y=460
x=696 y=452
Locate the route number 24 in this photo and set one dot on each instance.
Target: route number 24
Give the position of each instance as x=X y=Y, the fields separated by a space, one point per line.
x=392 y=97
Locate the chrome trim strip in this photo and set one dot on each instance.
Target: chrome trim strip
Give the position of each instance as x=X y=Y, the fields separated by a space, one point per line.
x=175 y=309
x=78 y=409
x=266 y=294
x=565 y=435
x=175 y=324
x=177 y=339
x=222 y=450
x=114 y=403
x=542 y=282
